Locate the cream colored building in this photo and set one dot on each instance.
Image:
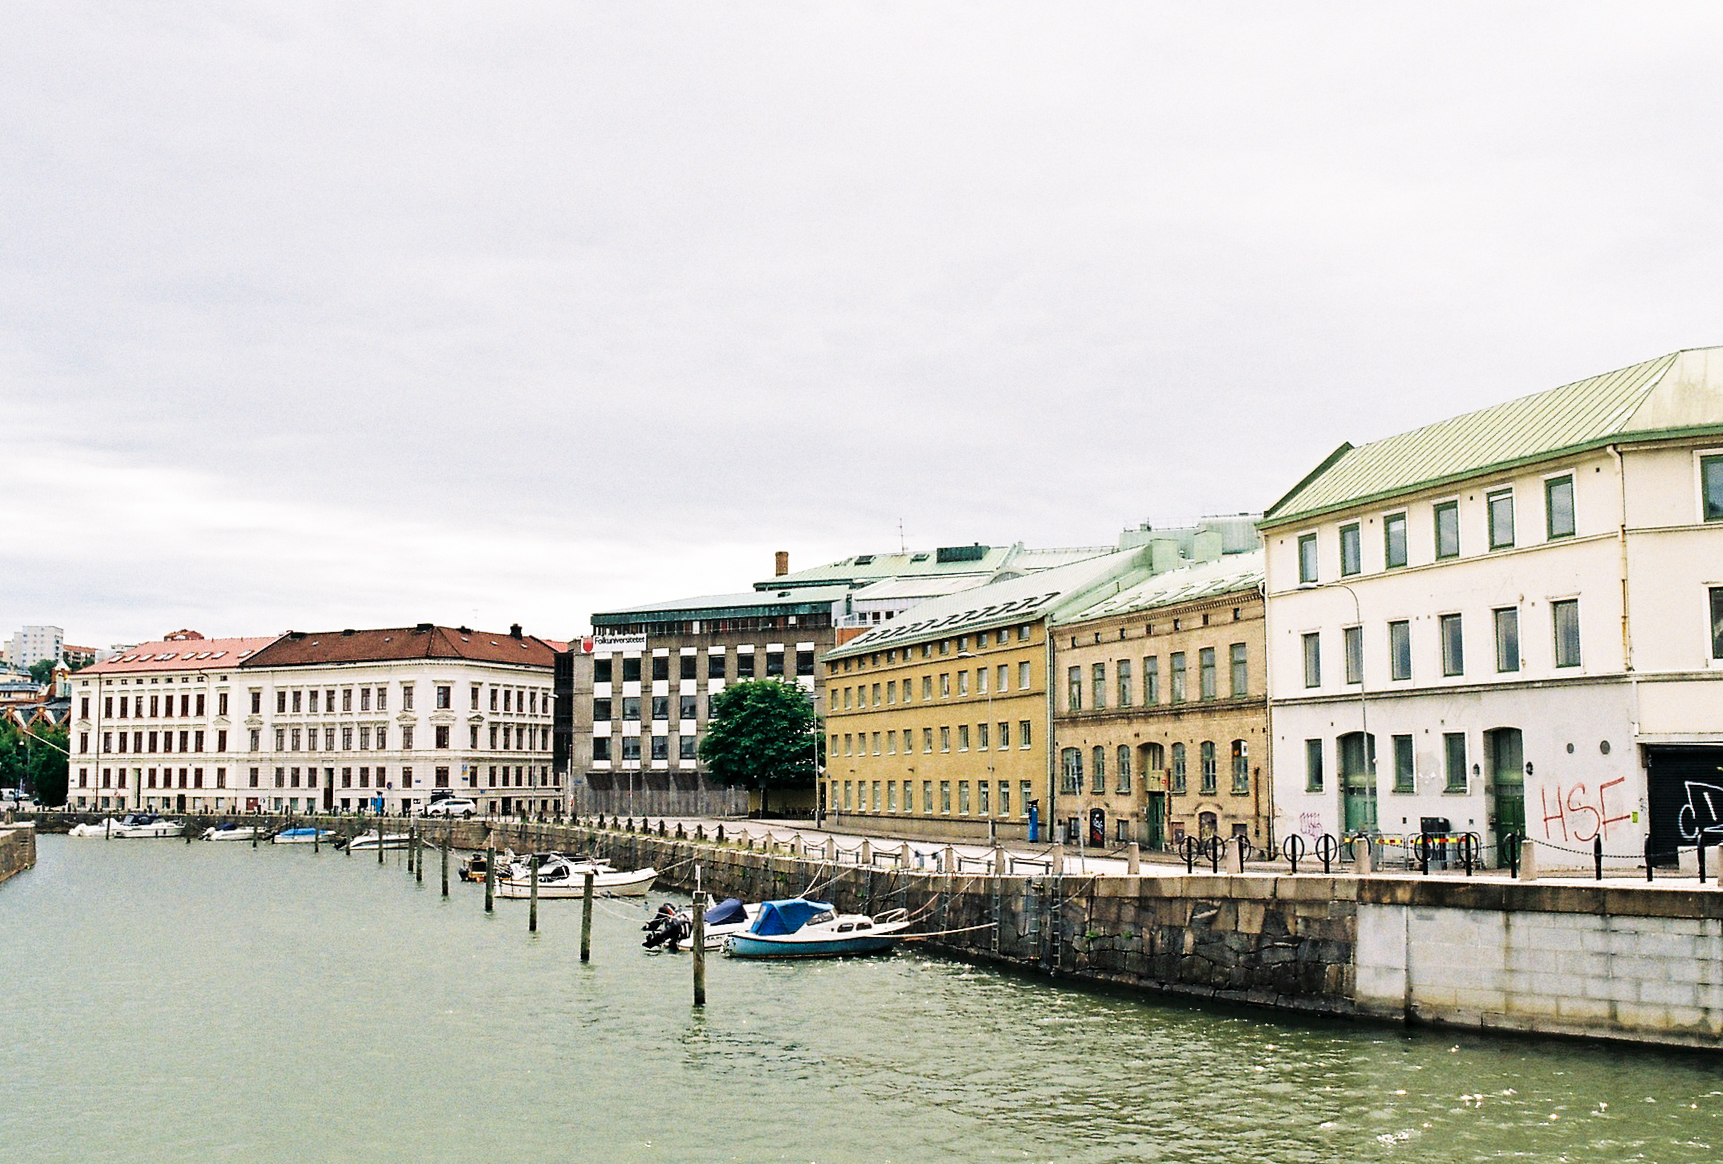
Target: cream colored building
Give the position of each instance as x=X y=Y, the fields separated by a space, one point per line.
x=1510 y=621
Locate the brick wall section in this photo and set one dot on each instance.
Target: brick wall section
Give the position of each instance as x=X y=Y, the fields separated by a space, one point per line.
x=17 y=849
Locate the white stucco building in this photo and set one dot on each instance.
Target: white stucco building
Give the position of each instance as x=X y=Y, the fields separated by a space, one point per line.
x=31 y=644
x=331 y=721
x=1510 y=621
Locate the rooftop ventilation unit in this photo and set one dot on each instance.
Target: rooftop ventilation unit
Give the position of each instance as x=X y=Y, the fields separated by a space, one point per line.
x=962 y=553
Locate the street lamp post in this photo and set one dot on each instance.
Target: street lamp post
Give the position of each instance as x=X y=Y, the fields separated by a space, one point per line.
x=1372 y=823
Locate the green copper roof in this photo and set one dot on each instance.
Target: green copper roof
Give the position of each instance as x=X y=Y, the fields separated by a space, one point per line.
x=1672 y=395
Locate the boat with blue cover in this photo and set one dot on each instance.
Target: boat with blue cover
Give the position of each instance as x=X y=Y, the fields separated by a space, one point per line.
x=799 y=928
x=304 y=835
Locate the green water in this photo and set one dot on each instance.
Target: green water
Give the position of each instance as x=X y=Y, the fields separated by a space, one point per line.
x=215 y=1003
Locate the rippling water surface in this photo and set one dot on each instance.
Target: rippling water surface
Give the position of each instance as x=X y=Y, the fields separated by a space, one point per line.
x=214 y=1002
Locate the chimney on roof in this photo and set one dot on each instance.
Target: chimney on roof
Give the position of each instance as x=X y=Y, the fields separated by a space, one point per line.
x=780 y=563
x=349 y=631
x=422 y=628
x=514 y=630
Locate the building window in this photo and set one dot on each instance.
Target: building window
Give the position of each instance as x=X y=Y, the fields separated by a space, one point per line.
x=1352 y=644
x=715 y=664
x=1394 y=540
x=631 y=749
x=1023 y=676
x=1507 y=639
x=687 y=707
x=1022 y=734
x=1071 y=770
x=945 y=797
x=1313 y=765
x=1400 y=650
x=1074 y=689
x=1206 y=681
x=1122 y=668
x=1099 y=685
x=660 y=747
x=927 y=740
x=1403 y=779
x=1454 y=757
x=1004 y=735
x=631 y=668
x=1711 y=486
x=945 y=739
x=1098 y=774
x=1351 y=551
x=774 y=664
x=1179 y=769
x=1210 y=777
x=1448 y=529
x=1564 y=616
x=745 y=664
x=1313 y=659
x=660 y=707
x=1178 y=677
x=442 y=735
x=600 y=748
x=1151 y=681
x=927 y=797
x=1501 y=509
x=1453 y=645
x=631 y=707
x=1717 y=622
x=601 y=711
x=962 y=739
x=1124 y=764
x=443 y=695
x=1240 y=768
x=1240 y=671
x=804 y=663
x=1307 y=558
x=1558 y=508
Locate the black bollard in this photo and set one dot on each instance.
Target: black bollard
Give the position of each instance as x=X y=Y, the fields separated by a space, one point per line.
x=1597 y=854
x=446 y=862
x=1424 y=853
x=1701 y=855
x=1513 y=842
x=586 y=919
x=1649 y=875
x=1190 y=847
x=1214 y=853
x=1293 y=848
x=419 y=857
x=532 y=906
x=1325 y=848
x=490 y=877
x=1468 y=851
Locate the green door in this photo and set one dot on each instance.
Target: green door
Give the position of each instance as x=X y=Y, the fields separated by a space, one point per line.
x=1507 y=786
x=1357 y=796
x=1157 y=821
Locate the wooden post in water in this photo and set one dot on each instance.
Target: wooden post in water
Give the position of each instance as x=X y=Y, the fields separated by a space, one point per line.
x=532 y=907
x=379 y=840
x=316 y=835
x=446 y=837
x=490 y=875
x=699 y=949
x=419 y=857
x=586 y=920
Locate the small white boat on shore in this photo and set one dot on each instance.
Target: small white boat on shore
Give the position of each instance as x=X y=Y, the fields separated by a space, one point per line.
x=229 y=831
x=132 y=826
x=301 y=836
x=560 y=877
x=372 y=841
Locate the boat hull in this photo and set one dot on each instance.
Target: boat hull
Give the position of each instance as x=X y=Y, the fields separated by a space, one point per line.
x=369 y=842
x=300 y=837
x=753 y=946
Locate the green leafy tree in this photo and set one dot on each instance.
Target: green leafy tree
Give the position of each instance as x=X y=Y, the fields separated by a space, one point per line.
x=764 y=734
x=36 y=764
x=41 y=670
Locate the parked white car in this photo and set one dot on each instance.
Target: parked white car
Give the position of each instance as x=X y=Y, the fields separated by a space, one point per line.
x=452 y=806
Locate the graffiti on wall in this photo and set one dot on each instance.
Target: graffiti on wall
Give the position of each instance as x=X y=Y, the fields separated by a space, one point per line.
x=1575 y=812
x=1703 y=810
x=1310 y=824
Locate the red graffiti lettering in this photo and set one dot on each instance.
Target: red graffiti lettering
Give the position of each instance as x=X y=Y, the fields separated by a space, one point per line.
x=1581 y=814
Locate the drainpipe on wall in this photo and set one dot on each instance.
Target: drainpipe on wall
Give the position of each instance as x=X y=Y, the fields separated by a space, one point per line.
x=1621 y=544
x=1052 y=743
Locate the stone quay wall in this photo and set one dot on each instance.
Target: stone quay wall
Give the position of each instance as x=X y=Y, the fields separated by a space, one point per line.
x=17 y=849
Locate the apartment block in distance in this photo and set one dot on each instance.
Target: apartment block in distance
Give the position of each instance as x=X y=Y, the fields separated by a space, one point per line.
x=1510 y=621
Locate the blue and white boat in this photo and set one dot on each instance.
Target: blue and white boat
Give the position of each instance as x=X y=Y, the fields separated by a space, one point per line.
x=799 y=928
x=229 y=830
x=303 y=835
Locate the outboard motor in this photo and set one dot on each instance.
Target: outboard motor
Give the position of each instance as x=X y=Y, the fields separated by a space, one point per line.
x=668 y=928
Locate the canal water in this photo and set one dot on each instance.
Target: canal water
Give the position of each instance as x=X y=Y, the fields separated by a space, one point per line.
x=204 y=1002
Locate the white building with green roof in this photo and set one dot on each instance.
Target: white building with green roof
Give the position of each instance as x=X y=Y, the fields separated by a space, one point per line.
x=1510 y=621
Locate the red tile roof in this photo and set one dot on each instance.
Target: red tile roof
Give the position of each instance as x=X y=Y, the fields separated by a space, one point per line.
x=306 y=649
x=180 y=655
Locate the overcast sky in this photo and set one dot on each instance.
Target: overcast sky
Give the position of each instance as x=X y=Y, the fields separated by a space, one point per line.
x=323 y=315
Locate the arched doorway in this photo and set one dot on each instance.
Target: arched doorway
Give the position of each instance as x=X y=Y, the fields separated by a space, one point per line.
x=1506 y=750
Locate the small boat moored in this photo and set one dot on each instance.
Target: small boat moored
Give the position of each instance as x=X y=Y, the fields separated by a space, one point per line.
x=133 y=825
x=304 y=835
x=230 y=831
x=671 y=927
x=371 y=841
x=799 y=928
x=560 y=877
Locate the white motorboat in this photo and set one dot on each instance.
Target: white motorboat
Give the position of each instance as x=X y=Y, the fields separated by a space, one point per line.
x=301 y=836
x=133 y=825
x=799 y=928
x=229 y=831
x=560 y=877
x=371 y=841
